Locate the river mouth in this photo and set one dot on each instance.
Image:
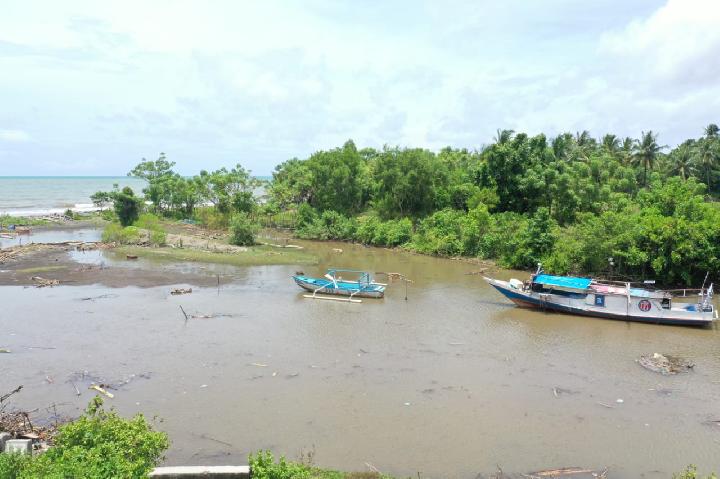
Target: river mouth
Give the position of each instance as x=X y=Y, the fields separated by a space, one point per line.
x=451 y=382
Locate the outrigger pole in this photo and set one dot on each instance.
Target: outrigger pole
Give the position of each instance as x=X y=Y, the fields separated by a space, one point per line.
x=400 y=276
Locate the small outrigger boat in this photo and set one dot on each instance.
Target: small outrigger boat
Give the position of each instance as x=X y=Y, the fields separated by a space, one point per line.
x=609 y=299
x=334 y=284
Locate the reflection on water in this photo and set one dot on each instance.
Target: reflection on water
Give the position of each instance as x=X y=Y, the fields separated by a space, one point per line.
x=52 y=236
x=452 y=382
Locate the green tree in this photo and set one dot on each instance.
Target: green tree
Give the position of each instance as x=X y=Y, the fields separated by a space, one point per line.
x=338 y=179
x=646 y=152
x=611 y=144
x=408 y=182
x=127 y=206
x=712 y=130
x=156 y=173
x=228 y=190
x=707 y=152
x=681 y=161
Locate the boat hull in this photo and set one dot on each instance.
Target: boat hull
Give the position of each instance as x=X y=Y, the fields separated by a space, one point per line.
x=345 y=288
x=527 y=299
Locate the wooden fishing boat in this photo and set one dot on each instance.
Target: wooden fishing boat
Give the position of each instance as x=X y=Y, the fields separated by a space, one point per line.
x=334 y=284
x=611 y=300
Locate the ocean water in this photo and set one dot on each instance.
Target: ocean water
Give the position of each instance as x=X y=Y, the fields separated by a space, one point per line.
x=41 y=195
x=44 y=195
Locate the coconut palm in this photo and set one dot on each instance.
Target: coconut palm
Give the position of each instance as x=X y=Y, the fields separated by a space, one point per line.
x=706 y=156
x=626 y=153
x=611 y=144
x=680 y=161
x=562 y=146
x=503 y=136
x=646 y=152
x=711 y=131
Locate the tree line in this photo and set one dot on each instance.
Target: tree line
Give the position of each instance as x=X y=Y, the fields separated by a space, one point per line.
x=571 y=201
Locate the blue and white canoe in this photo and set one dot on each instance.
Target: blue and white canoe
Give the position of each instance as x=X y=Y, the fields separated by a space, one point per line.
x=333 y=284
x=610 y=300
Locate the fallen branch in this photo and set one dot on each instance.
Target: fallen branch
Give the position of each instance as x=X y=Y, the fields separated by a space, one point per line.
x=5 y=397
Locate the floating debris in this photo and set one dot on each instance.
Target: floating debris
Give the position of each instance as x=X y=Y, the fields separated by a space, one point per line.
x=665 y=364
x=177 y=291
x=102 y=296
x=568 y=471
x=3 y=350
x=102 y=391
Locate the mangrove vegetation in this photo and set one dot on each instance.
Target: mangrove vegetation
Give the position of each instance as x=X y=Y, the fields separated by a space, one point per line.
x=633 y=208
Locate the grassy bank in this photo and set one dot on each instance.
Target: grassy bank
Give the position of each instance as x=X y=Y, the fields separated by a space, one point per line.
x=6 y=220
x=253 y=256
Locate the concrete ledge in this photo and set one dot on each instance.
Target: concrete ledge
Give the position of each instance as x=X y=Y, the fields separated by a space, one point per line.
x=200 y=472
x=18 y=446
x=4 y=437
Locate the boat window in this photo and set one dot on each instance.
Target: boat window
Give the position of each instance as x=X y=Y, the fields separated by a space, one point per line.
x=600 y=300
x=666 y=303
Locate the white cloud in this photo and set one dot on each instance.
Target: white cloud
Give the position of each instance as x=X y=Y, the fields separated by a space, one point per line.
x=14 y=135
x=259 y=82
x=680 y=41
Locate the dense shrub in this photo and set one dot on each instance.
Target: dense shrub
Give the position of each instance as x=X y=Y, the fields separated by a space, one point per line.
x=100 y=444
x=212 y=218
x=127 y=206
x=263 y=466
x=114 y=233
x=242 y=230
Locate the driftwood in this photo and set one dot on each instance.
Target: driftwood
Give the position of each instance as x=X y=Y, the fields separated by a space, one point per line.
x=102 y=391
x=42 y=282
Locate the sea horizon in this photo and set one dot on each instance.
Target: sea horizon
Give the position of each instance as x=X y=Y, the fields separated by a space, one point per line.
x=54 y=194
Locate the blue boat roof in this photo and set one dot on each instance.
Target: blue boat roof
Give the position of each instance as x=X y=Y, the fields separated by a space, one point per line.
x=563 y=281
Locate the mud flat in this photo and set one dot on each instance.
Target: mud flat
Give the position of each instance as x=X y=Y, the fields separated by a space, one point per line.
x=452 y=382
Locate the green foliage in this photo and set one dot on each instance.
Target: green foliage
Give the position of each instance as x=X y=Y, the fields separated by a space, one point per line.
x=242 y=230
x=263 y=466
x=108 y=215
x=158 y=238
x=99 y=444
x=691 y=473
x=127 y=206
x=101 y=198
x=12 y=465
x=6 y=220
x=212 y=218
x=338 y=179
x=114 y=233
x=412 y=183
x=149 y=221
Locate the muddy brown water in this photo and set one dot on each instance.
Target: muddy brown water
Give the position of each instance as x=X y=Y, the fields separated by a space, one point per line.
x=453 y=382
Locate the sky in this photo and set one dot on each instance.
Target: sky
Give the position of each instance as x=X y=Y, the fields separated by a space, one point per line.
x=91 y=88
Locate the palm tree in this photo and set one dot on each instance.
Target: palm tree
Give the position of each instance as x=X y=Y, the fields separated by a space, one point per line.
x=646 y=152
x=706 y=156
x=561 y=145
x=503 y=136
x=711 y=131
x=611 y=144
x=628 y=144
x=681 y=161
